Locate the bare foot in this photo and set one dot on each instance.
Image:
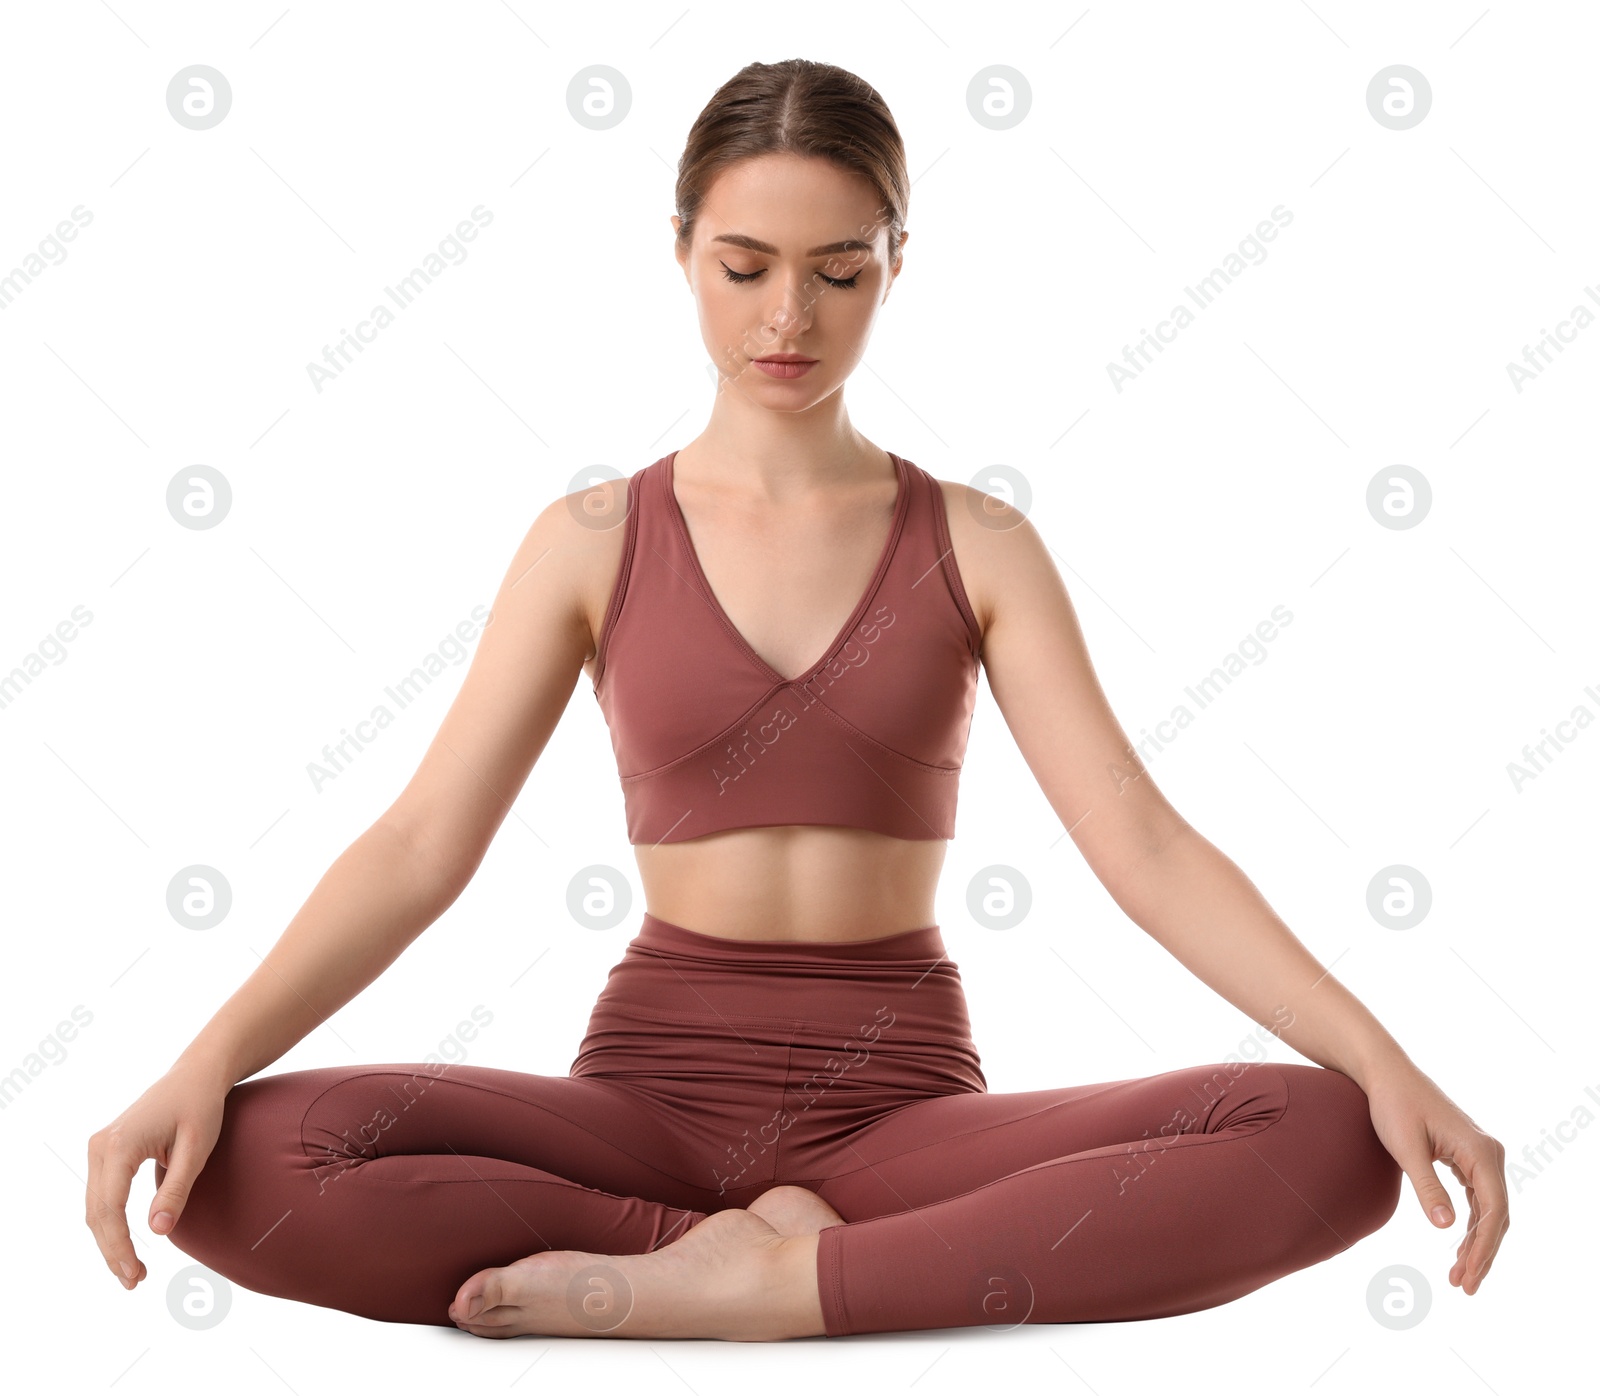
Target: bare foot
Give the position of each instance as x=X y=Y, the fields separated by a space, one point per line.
x=731 y=1276
x=794 y=1211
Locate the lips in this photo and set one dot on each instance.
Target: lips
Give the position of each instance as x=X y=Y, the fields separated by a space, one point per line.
x=785 y=359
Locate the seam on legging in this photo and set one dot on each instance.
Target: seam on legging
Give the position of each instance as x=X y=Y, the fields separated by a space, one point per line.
x=944 y=1138
x=505 y=1095
x=838 y=1286
x=645 y=1012
x=783 y=1104
x=1288 y=1100
x=1085 y=1155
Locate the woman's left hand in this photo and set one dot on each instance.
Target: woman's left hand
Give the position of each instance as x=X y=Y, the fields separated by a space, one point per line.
x=1418 y=1123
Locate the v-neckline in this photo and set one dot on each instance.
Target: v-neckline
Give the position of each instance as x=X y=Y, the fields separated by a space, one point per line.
x=902 y=503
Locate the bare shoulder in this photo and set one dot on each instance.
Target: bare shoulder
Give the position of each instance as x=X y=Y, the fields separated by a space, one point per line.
x=554 y=580
x=582 y=535
x=997 y=547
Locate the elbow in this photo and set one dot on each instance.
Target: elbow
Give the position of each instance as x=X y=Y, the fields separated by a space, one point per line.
x=1134 y=869
x=1157 y=836
x=439 y=870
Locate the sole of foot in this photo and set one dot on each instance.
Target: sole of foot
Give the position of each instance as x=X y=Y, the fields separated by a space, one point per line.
x=733 y=1276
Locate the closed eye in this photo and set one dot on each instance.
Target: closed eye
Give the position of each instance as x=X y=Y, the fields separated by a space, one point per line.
x=743 y=276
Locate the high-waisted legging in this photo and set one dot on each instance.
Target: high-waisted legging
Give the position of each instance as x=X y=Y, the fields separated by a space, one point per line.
x=714 y=1069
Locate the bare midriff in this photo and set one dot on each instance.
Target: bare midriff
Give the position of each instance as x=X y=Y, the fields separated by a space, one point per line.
x=807 y=882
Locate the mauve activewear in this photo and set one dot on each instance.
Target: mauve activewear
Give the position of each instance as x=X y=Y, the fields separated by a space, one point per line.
x=709 y=737
x=715 y=1068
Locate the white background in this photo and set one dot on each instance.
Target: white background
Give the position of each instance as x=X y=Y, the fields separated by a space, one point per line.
x=1231 y=477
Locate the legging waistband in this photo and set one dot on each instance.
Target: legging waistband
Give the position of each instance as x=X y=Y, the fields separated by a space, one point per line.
x=918 y=943
x=684 y=1014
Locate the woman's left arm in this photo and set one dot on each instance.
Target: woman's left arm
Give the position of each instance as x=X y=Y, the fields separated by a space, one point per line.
x=1182 y=890
x=1196 y=903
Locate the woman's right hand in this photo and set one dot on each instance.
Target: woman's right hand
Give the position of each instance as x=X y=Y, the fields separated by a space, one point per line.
x=176 y=1122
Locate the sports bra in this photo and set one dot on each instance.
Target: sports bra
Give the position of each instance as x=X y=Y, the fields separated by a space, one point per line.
x=709 y=737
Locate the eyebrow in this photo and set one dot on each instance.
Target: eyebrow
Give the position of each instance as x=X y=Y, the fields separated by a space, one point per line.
x=756 y=245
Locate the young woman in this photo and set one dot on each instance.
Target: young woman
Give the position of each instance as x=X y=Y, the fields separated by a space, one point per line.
x=777 y=1124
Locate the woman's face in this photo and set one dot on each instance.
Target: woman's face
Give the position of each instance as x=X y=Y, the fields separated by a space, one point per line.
x=789 y=256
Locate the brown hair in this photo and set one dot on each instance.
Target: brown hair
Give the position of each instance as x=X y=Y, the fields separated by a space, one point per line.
x=799 y=107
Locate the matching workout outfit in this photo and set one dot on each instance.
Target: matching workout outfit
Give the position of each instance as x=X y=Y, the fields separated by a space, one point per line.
x=714 y=1069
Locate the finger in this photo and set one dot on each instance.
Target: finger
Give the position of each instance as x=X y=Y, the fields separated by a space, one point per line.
x=1472 y=1262
x=1430 y=1191
x=1458 y=1270
x=1465 y=1263
x=1485 y=1169
x=111 y=1170
x=176 y=1181
x=1474 y=1217
x=1472 y=1221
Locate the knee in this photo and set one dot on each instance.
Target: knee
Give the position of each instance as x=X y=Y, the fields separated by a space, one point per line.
x=256 y=1174
x=1360 y=1175
x=205 y=1229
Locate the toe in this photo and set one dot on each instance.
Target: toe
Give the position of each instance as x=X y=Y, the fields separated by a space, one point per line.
x=478 y=1295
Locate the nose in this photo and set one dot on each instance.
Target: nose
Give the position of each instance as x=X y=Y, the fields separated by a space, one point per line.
x=791 y=315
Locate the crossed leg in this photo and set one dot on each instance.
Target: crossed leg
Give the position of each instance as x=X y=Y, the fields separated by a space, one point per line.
x=1116 y=1200
x=380 y=1189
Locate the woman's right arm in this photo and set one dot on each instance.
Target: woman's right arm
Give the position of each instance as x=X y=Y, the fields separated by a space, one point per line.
x=393 y=882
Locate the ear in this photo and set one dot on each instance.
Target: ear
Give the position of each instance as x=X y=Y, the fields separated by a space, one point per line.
x=678 y=249
x=896 y=267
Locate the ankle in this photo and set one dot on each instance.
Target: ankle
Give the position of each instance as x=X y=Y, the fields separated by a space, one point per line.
x=798 y=1306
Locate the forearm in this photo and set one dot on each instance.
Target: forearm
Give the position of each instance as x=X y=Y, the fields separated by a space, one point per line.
x=1195 y=902
x=375 y=899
